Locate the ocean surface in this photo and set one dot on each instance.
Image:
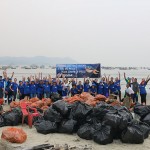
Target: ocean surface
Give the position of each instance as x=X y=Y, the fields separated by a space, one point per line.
x=139 y=74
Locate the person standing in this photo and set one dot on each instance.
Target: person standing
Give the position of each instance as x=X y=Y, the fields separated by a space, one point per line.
x=80 y=87
x=143 y=92
x=135 y=87
x=47 y=90
x=14 y=89
x=32 y=89
x=1 y=88
x=118 y=86
x=21 y=90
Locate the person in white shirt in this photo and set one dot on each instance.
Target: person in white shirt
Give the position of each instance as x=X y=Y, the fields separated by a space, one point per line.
x=129 y=90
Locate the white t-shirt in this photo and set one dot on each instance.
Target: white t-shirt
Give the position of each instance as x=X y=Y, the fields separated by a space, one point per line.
x=129 y=90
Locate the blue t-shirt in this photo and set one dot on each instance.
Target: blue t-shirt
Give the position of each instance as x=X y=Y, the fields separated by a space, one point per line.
x=100 y=89
x=1 y=84
x=14 y=86
x=74 y=91
x=93 y=90
x=32 y=88
x=80 y=88
x=54 y=89
x=59 y=87
x=117 y=85
x=47 y=88
x=86 y=87
x=142 y=88
x=26 y=89
x=112 y=88
x=40 y=89
x=21 y=89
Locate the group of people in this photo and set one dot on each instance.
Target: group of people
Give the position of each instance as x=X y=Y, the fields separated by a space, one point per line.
x=44 y=87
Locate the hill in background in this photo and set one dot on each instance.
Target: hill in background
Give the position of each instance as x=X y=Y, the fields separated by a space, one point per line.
x=39 y=60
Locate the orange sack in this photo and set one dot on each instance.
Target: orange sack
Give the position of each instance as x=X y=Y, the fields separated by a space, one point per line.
x=14 y=135
x=1 y=101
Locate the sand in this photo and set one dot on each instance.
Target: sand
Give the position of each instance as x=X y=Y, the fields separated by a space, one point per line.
x=35 y=138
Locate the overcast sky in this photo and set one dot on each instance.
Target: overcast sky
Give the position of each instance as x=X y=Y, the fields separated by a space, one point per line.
x=112 y=32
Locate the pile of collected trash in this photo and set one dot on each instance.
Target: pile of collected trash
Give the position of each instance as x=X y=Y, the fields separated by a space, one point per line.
x=34 y=102
x=92 y=118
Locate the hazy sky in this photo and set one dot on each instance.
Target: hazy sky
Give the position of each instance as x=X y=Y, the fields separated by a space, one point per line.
x=112 y=32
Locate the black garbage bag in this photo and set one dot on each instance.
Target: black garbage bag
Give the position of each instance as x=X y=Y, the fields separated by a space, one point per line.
x=55 y=97
x=146 y=119
x=67 y=126
x=80 y=111
x=126 y=117
x=145 y=128
x=102 y=109
x=86 y=132
x=103 y=136
x=133 y=134
x=12 y=118
x=52 y=115
x=61 y=107
x=2 y=122
x=112 y=120
x=141 y=110
x=46 y=127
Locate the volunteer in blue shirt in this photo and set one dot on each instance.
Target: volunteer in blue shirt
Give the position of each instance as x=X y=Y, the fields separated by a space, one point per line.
x=27 y=90
x=112 y=87
x=143 y=92
x=74 y=90
x=106 y=89
x=9 y=90
x=54 y=88
x=40 y=90
x=32 y=89
x=100 y=88
x=1 y=87
x=21 y=90
x=118 y=86
x=59 y=88
x=14 y=88
x=86 y=86
x=47 y=90
x=80 y=87
x=93 y=90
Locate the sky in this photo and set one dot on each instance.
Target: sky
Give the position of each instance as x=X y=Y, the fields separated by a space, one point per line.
x=110 y=32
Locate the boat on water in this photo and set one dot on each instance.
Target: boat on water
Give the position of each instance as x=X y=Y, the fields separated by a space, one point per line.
x=27 y=67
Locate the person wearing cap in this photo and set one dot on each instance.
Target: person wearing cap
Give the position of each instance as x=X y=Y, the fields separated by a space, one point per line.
x=80 y=87
x=32 y=89
x=14 y=88
x=21 y=90
x=47 y=89
x=27 y=90
x=93 y=90
x=143 y=92
x=74 y=90
x=54 y=88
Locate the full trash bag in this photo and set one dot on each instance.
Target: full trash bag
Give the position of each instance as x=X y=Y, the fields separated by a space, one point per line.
x=2 y=122
x=52 y=115
x=67 y=126
x=14 y=135
x=46 y=127
x=103 y=136
x=12 y=118
x=80 y=110
x=141 y=110
x=146 y=119
x=55 y=97
x=86 y=132
x=133 y=134
x=145 y=128
x=61 y=107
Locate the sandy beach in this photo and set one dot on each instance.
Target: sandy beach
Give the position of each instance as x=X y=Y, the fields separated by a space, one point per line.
x=34 y=139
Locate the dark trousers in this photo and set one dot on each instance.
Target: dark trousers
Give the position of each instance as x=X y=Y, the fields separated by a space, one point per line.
x=135 y=97
x=14 y=95
x=143 y=98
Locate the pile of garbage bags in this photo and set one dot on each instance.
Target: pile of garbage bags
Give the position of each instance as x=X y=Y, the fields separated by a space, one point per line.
x=102 y=123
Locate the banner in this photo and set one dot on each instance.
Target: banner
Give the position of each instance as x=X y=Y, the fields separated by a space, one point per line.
x=78 y=70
